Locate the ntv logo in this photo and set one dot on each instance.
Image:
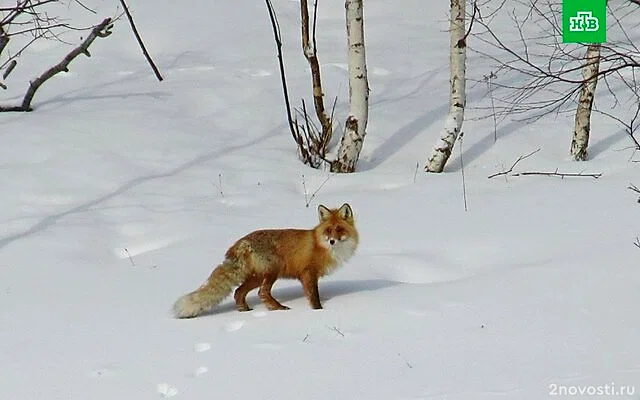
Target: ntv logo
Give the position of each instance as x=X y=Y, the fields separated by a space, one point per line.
x=584 y=21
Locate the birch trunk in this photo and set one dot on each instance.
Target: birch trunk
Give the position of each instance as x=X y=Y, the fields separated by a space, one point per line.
x=356 y=124
x=457 y=96
x=582 y=127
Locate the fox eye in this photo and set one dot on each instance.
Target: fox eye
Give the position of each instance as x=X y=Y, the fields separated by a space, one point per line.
x=339 y=230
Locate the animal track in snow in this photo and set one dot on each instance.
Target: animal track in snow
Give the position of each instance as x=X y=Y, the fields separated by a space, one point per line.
x=202 y=347
x=200 y=371
x=166 y=390
x=234 y=326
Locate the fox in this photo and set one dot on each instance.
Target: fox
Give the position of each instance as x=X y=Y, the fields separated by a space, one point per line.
x=263 y=256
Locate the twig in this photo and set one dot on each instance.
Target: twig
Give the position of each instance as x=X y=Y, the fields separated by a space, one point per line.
x=306 y=194
x=220 y=184
x=101 y=30
x=12 y=64
x=513 y=165
x=129 y=255
x=635 y=189
x=487 y=79
x=463 y=42
x=464 y=186
x=305 y=338
x=304 y=186
x=86 y=7
x=335 y=329
x=405 y=361
x=559 y=174
x=415 y=173
x=4 y=39
x=637 y=242
x=137 y=35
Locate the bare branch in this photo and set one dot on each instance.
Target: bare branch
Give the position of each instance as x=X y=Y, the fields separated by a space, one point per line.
x=560 y=174
x=545 y=78
x=81 y=4
x=513 y=165
x=139 y=39
x=476 y=10
x=293 y=128
x=101 y=30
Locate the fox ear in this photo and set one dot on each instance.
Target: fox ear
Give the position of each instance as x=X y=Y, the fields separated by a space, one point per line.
x=323 y=213
x=345 y=212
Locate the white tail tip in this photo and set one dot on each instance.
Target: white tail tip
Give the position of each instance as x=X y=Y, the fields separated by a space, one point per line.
x=185 y=307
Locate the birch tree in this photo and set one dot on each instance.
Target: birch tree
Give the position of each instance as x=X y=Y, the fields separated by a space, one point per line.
x=554 y=78
x=356 y=123
x=582 y=127
x=457 y=96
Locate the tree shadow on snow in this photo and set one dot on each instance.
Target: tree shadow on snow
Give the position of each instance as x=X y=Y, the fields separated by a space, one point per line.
x=413 y=128
x=607 y=143
x=52 y=219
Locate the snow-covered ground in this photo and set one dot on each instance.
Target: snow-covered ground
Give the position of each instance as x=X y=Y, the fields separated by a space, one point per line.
x=120 y=193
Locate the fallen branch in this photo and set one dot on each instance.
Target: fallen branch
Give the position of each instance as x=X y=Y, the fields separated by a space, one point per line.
x=137 y=35
x=101 y=30
x=635 y=189
x=513 y=165
x=559 y=174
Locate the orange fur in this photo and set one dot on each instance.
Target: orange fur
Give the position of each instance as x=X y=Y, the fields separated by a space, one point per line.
x=261 y=257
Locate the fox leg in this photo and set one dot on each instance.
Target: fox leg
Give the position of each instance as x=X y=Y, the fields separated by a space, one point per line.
x=265 y=293
x=241 y=292
x=310 y=284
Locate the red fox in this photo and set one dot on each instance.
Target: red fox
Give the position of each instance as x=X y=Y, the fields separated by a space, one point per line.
x=263 y=256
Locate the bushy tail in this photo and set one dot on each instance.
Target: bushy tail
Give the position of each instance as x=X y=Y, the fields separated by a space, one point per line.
x=221 y=282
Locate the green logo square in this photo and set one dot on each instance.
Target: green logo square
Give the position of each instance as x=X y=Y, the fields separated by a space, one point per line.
x=584 y=21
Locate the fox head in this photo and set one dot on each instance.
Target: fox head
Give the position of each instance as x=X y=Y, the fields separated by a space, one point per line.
x=337 y=226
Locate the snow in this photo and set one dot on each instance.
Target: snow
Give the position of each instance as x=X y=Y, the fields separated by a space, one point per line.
x=121 y=193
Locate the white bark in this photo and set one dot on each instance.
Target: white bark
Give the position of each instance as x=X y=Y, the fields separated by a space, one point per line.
x=356 y=124
x=582 y=127
x=457 y=96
